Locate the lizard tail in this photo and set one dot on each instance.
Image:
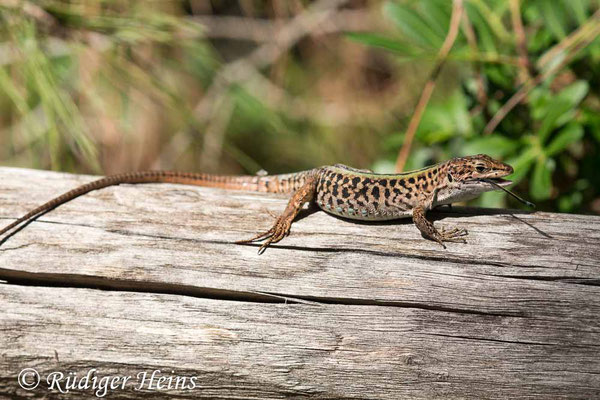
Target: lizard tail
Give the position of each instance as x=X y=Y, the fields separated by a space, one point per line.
x=286 y=183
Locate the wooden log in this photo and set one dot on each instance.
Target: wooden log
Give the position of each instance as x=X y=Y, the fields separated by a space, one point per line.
x=336 y=310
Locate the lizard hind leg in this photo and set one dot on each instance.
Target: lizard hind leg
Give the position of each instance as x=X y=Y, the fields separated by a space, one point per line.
x=283 y=223
x=428 y=230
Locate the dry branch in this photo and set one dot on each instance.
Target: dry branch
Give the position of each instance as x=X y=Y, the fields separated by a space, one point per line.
x=552 y=62
x=338 y=310
x=455 y=19
x=263 y=30
x=521 y=40
x=241 y=70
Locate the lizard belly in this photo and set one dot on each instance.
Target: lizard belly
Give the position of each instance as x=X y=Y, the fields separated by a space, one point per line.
x=359 y=214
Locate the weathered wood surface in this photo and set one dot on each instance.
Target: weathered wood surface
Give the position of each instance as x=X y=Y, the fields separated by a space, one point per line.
x=336 y=310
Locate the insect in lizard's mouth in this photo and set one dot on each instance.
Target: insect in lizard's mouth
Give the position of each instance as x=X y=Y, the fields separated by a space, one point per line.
x=500 y=183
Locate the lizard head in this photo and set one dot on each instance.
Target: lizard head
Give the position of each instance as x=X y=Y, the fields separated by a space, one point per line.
x=477 y=168
x=468 y=177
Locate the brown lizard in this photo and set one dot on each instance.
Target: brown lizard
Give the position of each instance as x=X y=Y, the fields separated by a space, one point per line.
x=339 y=190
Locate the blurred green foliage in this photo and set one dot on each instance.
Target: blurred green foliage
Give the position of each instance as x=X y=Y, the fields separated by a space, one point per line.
x=105 y=86
x=70 y=67
x=551 y=138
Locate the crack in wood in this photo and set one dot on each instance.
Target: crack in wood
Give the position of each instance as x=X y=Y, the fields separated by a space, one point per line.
x=23 y=278
x=562 y=279
x=400 y=304
x=493 y=340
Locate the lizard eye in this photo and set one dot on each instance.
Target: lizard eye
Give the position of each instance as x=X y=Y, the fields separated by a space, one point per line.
x=480 y=168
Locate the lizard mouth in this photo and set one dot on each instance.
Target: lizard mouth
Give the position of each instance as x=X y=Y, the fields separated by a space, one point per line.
x=498 y=181
x=491 y=181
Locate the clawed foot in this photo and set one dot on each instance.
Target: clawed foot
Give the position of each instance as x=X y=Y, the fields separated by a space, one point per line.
x=452 y=235
x=280 y=230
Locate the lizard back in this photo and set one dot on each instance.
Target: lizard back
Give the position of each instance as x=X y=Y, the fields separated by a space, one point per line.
x=363 y=195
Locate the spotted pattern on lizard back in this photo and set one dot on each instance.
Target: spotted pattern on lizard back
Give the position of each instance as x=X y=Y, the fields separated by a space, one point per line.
x=354 y=194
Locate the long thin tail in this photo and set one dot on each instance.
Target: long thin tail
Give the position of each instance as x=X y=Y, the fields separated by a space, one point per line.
x=271 y=183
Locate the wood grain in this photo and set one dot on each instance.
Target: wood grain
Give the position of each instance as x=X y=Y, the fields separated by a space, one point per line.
x=142 y=277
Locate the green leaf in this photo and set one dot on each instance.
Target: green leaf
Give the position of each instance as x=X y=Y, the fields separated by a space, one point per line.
x=539 y=41
x=541 y=182
x=538 y=101
x=578 y=9
x=575 y=92
x=561 y=108
x=555 y=110
x=412 y=25
x=383 y=42
x=495 y=145
x=437 y=13
x=567 y=135
x=522 y=163
x=63 y=116
x=442 y=120
x=435 y=136
x=592 y=119
x=554 y=17
x=493 y=18
x=485 y=35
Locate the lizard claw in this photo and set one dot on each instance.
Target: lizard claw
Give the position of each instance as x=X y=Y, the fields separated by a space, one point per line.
x=260 y=236
x=429 y=231
x=453 y=235
x=280 y=230
x=283 y=223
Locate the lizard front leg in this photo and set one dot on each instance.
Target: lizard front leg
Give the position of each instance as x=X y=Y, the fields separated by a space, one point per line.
x=428 y=230
x=283 y=223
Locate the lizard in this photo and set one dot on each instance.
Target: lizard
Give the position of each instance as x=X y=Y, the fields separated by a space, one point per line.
x=339 y=190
